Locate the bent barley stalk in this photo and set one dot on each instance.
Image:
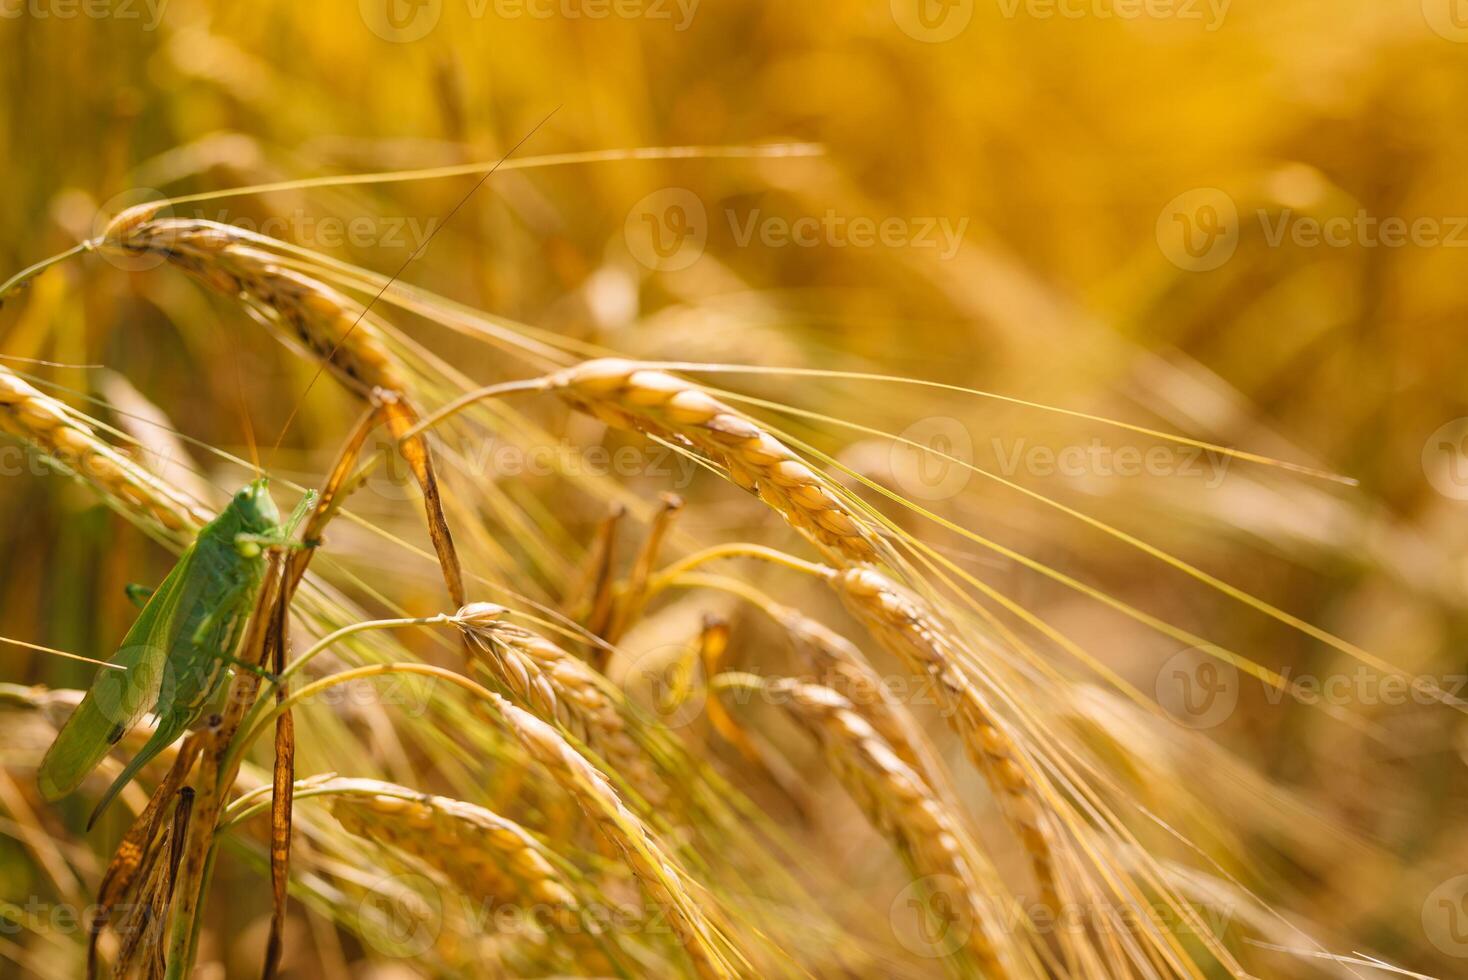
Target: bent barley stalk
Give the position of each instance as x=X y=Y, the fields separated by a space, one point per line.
x=485 y=855
x=905 y=627
x=901 y=806
x=561 y=689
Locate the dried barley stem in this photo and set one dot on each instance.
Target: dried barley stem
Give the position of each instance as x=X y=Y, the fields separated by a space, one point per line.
x=559 y=688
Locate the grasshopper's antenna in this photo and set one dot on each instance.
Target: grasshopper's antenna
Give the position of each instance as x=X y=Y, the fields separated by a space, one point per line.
x=396 y=275
x=249 y=426
x=62 y=653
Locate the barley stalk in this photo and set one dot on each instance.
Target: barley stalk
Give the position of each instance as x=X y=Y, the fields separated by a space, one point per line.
x=559 y=688
x=903 y=624
x=627 y=396
x=900 y=805
x=47 y=424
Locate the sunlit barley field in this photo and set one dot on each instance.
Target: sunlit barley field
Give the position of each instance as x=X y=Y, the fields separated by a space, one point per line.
x=661 y=488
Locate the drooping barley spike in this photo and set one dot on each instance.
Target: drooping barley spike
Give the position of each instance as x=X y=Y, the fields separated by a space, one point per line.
x=562 y=689
x=835 y=662
x=309 y=312
x=54 y=430
x=906 y=628
x=485 y=855
x=628 y=396
x=653 y=866
x=900 y=805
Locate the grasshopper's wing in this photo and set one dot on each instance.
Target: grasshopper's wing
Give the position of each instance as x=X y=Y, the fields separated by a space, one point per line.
x=117 y=698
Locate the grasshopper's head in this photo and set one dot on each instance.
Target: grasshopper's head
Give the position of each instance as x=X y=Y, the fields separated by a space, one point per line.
x=254 y=509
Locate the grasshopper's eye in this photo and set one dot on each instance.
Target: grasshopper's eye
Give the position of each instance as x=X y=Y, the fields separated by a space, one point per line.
x=247 y=548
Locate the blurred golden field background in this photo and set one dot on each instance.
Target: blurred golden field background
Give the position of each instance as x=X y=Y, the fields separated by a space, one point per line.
x=1242 y=222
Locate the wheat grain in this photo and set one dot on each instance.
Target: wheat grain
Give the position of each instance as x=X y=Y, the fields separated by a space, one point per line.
x=53 y=429
x=561 y=689
x=628 y=396
x=903 y=624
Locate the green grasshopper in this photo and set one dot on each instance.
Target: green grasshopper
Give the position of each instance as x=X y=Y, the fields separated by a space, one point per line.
x=175 y=654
